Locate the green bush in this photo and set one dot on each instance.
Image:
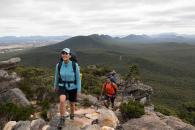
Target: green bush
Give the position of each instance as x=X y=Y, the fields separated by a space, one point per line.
x=36 y=83
x=97 y=90
x=164 y=110
x=44 y=114
x=44 y=104
x=11 y=111
x=189 y=106
x=29 y=72
x=91 y=84
x=187 y=112
x=131 y=110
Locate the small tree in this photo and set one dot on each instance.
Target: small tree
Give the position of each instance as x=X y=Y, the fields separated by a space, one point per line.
x=132 y=77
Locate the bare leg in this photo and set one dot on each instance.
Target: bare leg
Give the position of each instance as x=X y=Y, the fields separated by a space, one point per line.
x=72 y=108
x=62 y=105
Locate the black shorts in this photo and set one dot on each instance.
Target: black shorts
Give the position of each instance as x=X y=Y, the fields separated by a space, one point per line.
x=110 y=98
x=71 y=95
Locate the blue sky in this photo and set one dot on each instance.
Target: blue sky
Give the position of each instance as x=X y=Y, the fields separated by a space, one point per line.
x=83 y=17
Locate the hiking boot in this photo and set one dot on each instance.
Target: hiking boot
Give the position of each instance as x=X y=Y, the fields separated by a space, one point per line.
x=62 y=121
x=72 y=116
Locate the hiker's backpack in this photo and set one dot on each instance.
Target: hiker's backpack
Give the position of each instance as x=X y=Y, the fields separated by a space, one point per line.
x=74 y=61
x=108 y=90
x=113 y=79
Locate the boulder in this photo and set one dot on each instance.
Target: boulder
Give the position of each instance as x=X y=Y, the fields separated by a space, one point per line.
x=46 y=127
x=8 y=81
x=107 y=128
x=93 y=100
x=92 y=127
x=37 y=124
x=53 y=111
x=4 y=75
x=151 y=122
x=177 y=124
x=9 y=125
x=9 y=64
x=22 y=125
x=15 y=96
x=139 y=91
x=107 y=118
x=156 y=121
x=75 y=125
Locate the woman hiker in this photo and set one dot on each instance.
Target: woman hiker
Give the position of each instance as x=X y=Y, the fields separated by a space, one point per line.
x=67 y=83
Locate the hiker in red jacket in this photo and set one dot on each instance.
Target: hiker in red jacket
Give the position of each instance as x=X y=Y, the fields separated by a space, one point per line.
x=109 y=89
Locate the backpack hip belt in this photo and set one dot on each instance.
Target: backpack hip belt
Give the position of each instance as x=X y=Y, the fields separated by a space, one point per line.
x=69 y=82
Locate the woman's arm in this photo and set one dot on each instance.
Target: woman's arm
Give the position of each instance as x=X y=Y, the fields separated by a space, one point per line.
x=78 y=78
x=103 y=87
x=56 y=77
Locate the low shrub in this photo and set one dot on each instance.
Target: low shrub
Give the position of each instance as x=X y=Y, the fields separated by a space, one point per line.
x=131 y=109
x=11 y=111
x=165 y=110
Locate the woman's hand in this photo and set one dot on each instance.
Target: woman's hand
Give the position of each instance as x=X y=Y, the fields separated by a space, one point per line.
x=78 y=94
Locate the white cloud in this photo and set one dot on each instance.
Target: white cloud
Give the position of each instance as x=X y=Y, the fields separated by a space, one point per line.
x=82 y=17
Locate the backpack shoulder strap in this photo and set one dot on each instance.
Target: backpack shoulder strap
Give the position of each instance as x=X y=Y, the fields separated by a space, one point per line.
x=59 y=67
x=74 y=70
x=113 y=88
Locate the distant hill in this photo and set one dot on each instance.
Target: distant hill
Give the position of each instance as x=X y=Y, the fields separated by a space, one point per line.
x=7 y=40
x=160 y=38
x=167 y=66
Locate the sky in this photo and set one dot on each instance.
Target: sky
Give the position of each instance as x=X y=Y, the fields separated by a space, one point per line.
x=85 y=17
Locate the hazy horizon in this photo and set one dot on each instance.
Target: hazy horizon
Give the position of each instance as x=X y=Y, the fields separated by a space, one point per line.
x=166 y=33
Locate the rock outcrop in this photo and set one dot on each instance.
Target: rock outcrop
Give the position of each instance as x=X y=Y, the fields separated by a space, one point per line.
x=8 y=81
x=132 y=90
x=8 y=84
x=156 y=121
x=15 y=96
x=9 y=64
x=37 y=124
x=22 y=125
x=9 y=125
x=139 y=91
x=9 y=91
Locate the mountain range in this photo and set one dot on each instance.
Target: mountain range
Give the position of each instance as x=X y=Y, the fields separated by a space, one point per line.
x=132 y=38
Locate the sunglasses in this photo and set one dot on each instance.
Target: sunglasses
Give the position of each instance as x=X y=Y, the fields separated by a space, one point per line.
x=64 y=53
